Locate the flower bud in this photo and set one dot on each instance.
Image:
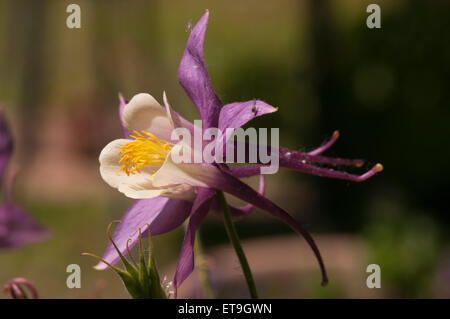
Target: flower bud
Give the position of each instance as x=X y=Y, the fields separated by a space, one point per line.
x=141 y=280
x=16 y=288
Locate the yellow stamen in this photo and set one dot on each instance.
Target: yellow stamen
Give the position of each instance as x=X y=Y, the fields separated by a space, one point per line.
x=146 y=151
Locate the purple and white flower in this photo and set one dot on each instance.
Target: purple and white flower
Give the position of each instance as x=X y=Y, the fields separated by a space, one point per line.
x=141 y=165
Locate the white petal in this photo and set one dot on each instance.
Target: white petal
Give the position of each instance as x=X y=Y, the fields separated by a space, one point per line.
x=139 y=192
x=143 y=112
x=139 y=185
x=172 y=172
x=110 y=166
x=185 y=192
x=177 y=120
x=169 y=112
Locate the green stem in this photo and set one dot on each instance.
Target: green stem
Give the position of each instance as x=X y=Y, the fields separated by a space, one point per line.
x=234 y=238
x=202 y=266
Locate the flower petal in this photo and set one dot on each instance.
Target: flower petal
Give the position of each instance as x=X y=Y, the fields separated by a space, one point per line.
x=247 y=209
x=143 y=112
x=110 y=167
x=193 y=76
x=176 y=119
x=237 y=114
x=303 y=166
x=122 y=103
x=302 y=162
x=161 y=213
x=246 y=171
x=172 y=173
x=6 y=146
x=18 y=228
x=200 y=208
x=235 y=187
x=137 y=186
x=148 y=190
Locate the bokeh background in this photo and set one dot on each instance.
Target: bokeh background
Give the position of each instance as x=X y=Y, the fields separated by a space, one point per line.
x=386 y=90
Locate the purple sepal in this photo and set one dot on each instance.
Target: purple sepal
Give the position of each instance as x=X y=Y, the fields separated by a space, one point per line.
x=193 y=76
x=200 y=208
x=18 y=228
x=232 y=185
x=162 y=214
x=239 y=212
x=237 y=114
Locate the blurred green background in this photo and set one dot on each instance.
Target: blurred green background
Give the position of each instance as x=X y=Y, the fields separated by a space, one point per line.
x=384 y=89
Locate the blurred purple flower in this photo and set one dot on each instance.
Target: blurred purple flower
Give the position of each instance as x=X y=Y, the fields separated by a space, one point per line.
x=6 y=146
x=167 y=192
x=17 y=227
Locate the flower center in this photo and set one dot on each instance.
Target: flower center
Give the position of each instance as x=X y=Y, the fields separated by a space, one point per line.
x=146 y=151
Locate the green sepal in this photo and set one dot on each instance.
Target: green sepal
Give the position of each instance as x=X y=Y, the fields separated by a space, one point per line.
x=144 y=278
x=140 y=281
x=154 y=280
x=133 y=286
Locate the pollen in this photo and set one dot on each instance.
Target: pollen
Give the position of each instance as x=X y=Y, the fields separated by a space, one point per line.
x=145 y=152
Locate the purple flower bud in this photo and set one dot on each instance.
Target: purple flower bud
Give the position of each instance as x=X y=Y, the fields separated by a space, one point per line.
x=16 y=287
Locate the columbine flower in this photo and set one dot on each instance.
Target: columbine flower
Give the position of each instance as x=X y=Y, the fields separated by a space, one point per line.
x=17 y=227
x=141 y=165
